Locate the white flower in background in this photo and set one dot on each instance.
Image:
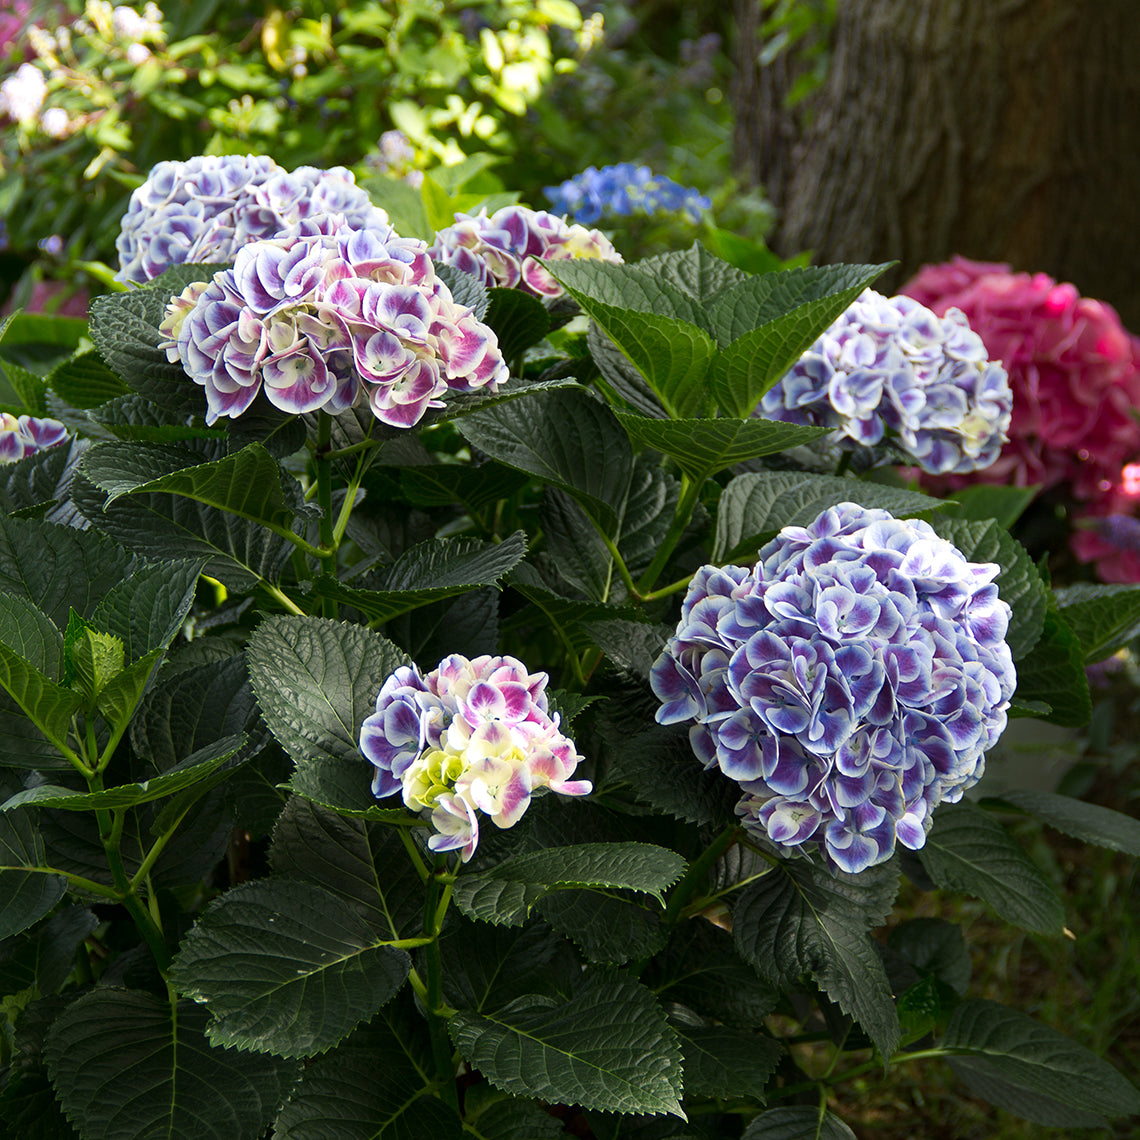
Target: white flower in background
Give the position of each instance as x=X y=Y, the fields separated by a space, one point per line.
x=55 y=123
x=22 y=95
x=138 y=54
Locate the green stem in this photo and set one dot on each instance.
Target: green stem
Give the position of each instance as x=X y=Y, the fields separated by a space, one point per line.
x=413 y=854
x=156 y=849
x=435 y=906
x=283 y=598
x=690 y=493
x=77 y=881
x=362 y=466
x=665 y=591
x=698 y=871
x=324 y=501
x=844 y=463
x=353 y=448
x=623 y=569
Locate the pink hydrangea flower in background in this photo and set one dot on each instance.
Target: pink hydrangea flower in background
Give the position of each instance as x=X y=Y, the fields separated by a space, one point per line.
x=471 y=737
x=1075 y=375
x=21 y=436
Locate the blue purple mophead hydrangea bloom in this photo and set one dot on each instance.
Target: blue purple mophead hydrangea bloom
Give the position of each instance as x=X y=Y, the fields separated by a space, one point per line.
x=470 y=738
x=330 y=316
x=503 y=249
x=891 y=371
x=850 y=681
x=21 y=436
x=623 y=189
x=207 y=208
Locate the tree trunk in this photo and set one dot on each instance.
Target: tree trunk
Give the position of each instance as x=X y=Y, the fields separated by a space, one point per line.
x=1004 y=130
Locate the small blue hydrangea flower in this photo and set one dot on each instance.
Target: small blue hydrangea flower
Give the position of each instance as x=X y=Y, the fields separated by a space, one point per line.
x=207 y=208
x=623 y=189
x=850 y=681
x=890 y=370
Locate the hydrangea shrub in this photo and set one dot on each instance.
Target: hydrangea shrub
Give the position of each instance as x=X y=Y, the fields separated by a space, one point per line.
x=623 y=189
x=347 y=753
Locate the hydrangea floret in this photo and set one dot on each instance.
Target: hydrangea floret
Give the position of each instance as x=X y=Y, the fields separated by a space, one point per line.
x=470 y=738
x=207 y=208
x=890 y=371
x=504 y=248
x=319 y=320
x=850 y=681
x=1075 y=374
x=623 y=189
x=21 y=436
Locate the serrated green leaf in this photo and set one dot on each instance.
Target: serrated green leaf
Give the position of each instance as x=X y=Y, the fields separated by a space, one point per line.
x=362 y=863
x=1054 y=672
x=31 y=634
x=797 y=1122
x=1090 y=822
x=633 y=645
x=755 y=504
x=511 y=1118
x=934 y=947
x=466 y=289
x=573 y=544
x=505 y=894
x=519 y=320
x=438 y=568
x=638 y=288
x=606 y=926
x=620 y=381
x=694 y=271
x=39 y=485
x=197 y=767
x=565 y=437
x=801 y=919
x=701 y=969
x=157 y=526
x=91 y=659
x=59 y=568
x=36 y=341
x=725 y=1062
x=26 y=895
x=704 y=447
x=47 y=705
x=1028 y=1054
x=373 y=1086
x=815 y=295
x=1104 y=618
x=285 y=967
x=968 y=850
x=442 y=484
x=246 y=484
x=608 y=1048
x=124 y=327
x=984 y=1082
x=147 y=611
x=1019 y=584
x=29 y=389
x=315 y=681
x=135 y=417
x=982 y=501
x=45 y=956
x=180 y=1087
x=119 y=698
x=84 y=381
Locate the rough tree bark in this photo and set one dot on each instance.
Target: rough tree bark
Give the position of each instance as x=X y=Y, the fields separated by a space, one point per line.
x=1004 y=130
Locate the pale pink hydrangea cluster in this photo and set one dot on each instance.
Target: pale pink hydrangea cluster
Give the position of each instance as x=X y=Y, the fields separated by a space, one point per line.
x=325 y=318
x=472 y=737
x=1075 y=375
x=504 y=249
x=207 y=208
x=21 y=436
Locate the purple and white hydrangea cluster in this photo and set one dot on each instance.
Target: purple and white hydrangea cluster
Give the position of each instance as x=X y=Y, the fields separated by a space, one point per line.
x=503 y=249
x=21 y=436
x=207 y=208
x=472 y=736
x=850 y=681
x=889 y=368
x=319 y=319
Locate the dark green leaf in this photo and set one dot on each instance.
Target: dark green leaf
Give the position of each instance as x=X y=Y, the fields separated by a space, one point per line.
x=755 y=504
x=315 y=681
x=42 y=483
x=620 y=381
x=466 y=289
x=982 y=501
x=26 y=894
x=364 y=864
x=568 y=438
x=506 y=893
x=135 y=417
x=983 y=1080
x=633 y=645
x=1089 y=822
x=1028 y=1054
x=510 y=1118
x=606 y=926
x=574 y=545
x=442 y=484
x=801 y=919
x=968 y=850
x=609 y=1048
x=1104 y=618
x=30 y=633
x=36 y=341
x=934 y=946
x=47 y=705
x=84 y=381
x=519 y=320
x=180 y=1087
x=637 y=288
x=725 y=1062
x=1054 y=672
x=703 y=447
x=694 y=271
x=44 y=956
x=147 y=610
x=797 y=1122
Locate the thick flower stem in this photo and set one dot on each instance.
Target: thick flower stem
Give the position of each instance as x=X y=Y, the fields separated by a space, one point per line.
x=324 y=501
x=435 y=907
x=690 y=493
x=698 y=871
